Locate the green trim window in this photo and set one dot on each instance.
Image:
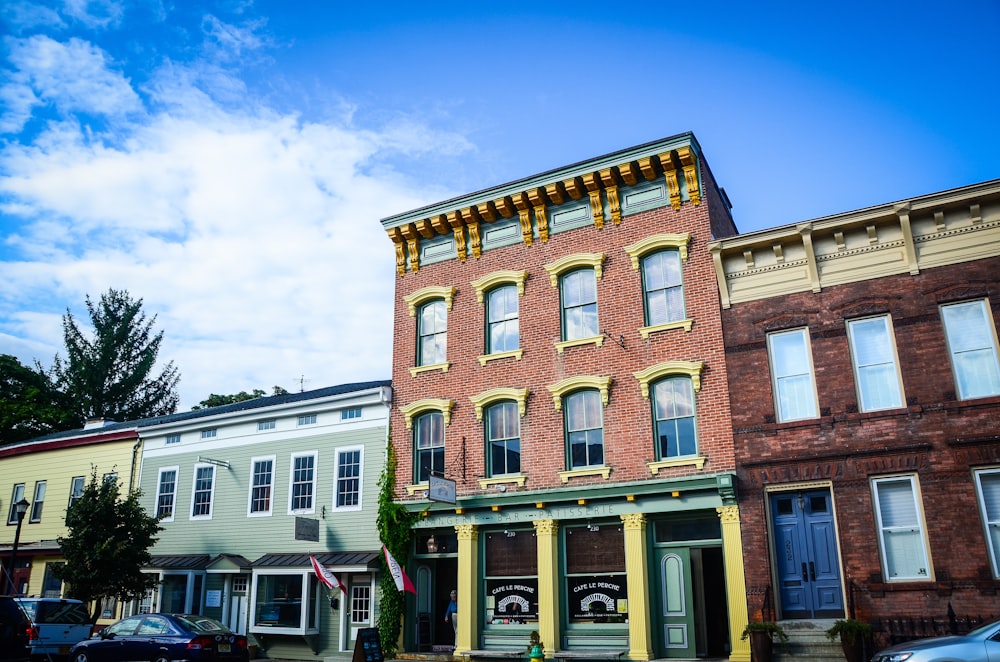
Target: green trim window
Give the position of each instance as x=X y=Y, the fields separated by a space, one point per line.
x=578 y=294
x=503 y=438
x=166 y=493
x=584 y=429
x=502 y=320
x=792 y=375
x=511 y=574
x=988 y=488
x=673 y=414
x=663 y=287
x=972 y=345
x=432 y=333
x=596 y=586
x=428 y=441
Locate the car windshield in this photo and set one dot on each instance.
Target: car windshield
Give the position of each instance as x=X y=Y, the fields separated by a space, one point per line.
x=201 y=624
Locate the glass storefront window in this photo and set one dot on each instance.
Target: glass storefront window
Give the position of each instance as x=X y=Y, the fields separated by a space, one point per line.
x=511 y=577
x=596 y=589
x=285 y=602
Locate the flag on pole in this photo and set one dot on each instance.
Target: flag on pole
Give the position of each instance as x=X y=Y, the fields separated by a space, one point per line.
x=403 y=582
x=326 y=575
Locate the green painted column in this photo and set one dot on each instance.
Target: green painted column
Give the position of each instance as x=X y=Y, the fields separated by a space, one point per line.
x=736 y=586
x=468 y=596
x=640 y=635
x=547 y=542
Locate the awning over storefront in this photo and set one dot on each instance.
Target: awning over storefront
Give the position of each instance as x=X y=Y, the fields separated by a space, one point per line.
x=335 y=561
x=179 y=562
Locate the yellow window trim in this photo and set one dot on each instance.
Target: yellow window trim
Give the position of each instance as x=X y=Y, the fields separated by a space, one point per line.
x=489 y=281
x=658 y=242
x=646 y=331
x=603 y=472
x=575 y=261
x=593 y=340
x=517 y=479
x=565 y=386
x=419 y=487
x=486 y=398
x=427 y=404
x=425 y=294
x=698 y=462
x=690 y=368
x=443 y=367
x=485 y=358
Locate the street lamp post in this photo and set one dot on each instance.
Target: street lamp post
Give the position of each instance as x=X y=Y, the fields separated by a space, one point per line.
x=21 y=507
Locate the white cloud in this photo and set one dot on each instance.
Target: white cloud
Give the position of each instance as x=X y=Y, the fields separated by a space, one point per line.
x=254 y=236
x=95 y=14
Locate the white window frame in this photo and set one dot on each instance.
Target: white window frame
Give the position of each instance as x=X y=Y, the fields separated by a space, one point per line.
x=309 y=583
x=37 y=502
x=873 y=394
x=267 y=425
x=306 y=419
x=292 y=483
x=209 y=433
x=351 y=414
x=360 y=477
x=991 y=368
x=919 y=527
x=160 y=493
x=172 y=439
x=777 y=380
x=990 y=512
x=74 y=494
x=194 y=488
x=16 y=496
x=273 y=459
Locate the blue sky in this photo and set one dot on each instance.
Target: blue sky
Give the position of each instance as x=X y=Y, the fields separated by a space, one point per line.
x=228 y=162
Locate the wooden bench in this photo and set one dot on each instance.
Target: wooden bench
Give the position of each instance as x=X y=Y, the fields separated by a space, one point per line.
x=591 y=653
x=496 y=652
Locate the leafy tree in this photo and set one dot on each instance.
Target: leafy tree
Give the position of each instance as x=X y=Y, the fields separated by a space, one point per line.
x=30 y=405
x=393 y=522
x=107 y=544
x=216 y=400
x=110 y=375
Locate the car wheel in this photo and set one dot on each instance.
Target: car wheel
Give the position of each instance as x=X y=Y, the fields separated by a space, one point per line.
x=81 y=656
x=162 y=657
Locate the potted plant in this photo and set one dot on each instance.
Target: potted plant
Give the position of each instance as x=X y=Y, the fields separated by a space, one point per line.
x=762 y=635
x=853 y=635
x=535 y=646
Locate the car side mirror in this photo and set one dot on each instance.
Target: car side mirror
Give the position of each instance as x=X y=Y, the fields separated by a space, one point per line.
x=106 y=635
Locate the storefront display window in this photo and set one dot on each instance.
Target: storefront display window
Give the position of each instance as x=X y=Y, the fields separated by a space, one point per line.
x=511 y=577
x=596 y=587
x=285 y=603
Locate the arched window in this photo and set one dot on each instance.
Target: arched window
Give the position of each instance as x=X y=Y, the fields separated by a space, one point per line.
x=673 y=418
x=662 y=287
x=428 y=444
x=502 y=320
x=503 y=438
x=584 y=429
x=432 y=333
x=578 y=293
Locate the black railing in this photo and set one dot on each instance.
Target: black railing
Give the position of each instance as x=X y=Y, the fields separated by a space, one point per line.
x=889 y=631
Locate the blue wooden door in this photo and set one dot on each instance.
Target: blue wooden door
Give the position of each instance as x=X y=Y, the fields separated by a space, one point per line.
x=806 y=558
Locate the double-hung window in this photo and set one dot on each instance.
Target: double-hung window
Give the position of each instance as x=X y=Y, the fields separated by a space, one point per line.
x=578 y=292
x=17 y=495
x=348 y=487
x=37 y=502
x=432 y=333
x=972 y=345
x=503 y=438
x=428 y=439
x=166 y=493
x=673 y=411
x=203 y=492
x=873 y=354
x=901 y=529
x=792 y=374
x=988 y=488
x=302 y=489
x=502 y=320
x=76 y=486
x=261 y=486
x=663 y=287
x=584 y=429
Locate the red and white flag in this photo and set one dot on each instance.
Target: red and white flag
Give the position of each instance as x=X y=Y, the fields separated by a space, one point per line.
x=403 y=582
x=326 y=576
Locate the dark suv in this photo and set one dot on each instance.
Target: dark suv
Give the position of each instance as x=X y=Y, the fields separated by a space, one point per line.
x=13 y=631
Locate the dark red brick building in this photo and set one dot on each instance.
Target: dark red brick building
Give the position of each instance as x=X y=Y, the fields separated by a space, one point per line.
x=861 y=352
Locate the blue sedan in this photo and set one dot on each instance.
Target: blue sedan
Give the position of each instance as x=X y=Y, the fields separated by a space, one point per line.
x=163 y=638
x=980 y=645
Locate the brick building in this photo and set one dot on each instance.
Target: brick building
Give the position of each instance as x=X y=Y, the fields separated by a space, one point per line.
x=558 y=355
x=865 y=389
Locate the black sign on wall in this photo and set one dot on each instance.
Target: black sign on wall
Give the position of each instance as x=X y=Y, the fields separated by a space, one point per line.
x=307 y=528
x=600 y=598
x=512 y=600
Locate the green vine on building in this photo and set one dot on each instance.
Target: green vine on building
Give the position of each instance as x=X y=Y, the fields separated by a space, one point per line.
x=394 y=522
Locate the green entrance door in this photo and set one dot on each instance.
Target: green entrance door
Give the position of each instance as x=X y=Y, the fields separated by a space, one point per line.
x=676 y=604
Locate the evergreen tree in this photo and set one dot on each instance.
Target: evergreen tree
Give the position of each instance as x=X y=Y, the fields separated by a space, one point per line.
x=30 y=405
x=107 y=544
x=110 y=375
